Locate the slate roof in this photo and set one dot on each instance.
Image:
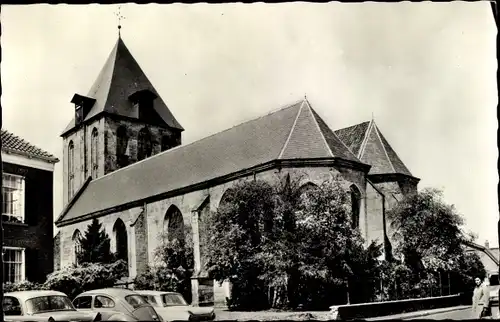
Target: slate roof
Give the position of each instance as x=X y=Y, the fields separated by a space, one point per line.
x=293 y=132
x=14 y=144
x=120 y=77
x=368 y=143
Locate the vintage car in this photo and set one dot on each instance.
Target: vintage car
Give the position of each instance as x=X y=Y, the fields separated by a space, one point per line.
x=43 y=306
x=116 y=304
x=172 y=307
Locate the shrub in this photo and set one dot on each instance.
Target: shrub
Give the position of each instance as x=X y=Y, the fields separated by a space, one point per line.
x=22 y=286
x=75 y=280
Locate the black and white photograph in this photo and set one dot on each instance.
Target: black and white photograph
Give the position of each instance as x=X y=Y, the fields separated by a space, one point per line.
x=249 y=161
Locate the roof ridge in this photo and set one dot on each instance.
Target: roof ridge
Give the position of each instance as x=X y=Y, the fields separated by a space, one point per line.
x=365 y=139
x=291 y=131
x=383 y=147
x=319 y=129
x=333 y=132
x=199 y=140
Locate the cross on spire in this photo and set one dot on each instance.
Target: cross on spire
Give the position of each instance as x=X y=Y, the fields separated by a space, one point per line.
x=120 y=17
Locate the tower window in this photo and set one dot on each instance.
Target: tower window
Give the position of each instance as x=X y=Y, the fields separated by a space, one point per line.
x=121 y=146
x=93 y=152
x=165 y=143
x=144 y=144
x=71 y=168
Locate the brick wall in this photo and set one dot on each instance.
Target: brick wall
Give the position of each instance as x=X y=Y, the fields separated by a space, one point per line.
x=36 y=234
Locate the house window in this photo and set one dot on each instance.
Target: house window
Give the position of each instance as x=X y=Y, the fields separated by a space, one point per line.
x=93 y=152
x=13 y=264
x=13 y=198
x=71 y=169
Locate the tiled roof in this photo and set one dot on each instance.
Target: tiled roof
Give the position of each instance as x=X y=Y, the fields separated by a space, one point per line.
x=367 y=142
x=121 y=76
x=294 y=132
x=14 y=144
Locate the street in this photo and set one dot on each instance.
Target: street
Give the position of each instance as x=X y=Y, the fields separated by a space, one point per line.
x=453 y=315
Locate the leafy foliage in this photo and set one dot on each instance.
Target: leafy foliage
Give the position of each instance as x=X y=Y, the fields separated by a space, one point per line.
x=74 y=280
x=281 y=243
x=95 y=245
x=428 y=231
x=173 y=269
x=22 y=286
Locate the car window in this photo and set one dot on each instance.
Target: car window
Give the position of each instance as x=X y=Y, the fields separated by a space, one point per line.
x=494 y=280
x=103 y=302
x=173 y=299
x=150 y=298
x=135 y=300
x=49 y=303
x=11 y=306
x=83 y=302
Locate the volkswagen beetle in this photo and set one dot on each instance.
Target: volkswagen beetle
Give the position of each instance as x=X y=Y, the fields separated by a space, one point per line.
x=43 y=306
x=172 y=307
x=116 y=304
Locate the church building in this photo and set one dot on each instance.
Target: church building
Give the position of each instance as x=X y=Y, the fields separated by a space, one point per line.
x=125 y=164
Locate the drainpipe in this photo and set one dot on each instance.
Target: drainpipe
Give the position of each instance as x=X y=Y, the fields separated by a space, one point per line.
x=387 y=244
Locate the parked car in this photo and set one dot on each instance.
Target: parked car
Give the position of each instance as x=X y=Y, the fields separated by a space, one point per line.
x=116 y=304
x=173 y=307
x=43 y=306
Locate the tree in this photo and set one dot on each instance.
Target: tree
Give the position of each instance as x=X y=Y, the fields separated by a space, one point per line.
x=428 y=231
x=236 y=231
x=95 y=245
x=430 y=239
x=297 y=247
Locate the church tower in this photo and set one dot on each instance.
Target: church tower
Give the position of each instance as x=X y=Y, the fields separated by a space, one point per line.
x=120 y=121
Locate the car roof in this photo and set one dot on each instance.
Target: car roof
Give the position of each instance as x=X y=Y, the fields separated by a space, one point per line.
x=26 y=295
x=146 y=292
x=113 y=291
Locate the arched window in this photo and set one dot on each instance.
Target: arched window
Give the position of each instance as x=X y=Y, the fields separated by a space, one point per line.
x=71 y=169
x=77 y=245
x=93 y=152
x=120 y=234
x=121 y=146
x=355 y=205
x=307 y=188
x=165 y=143
x=144 y=144
x=173 y=226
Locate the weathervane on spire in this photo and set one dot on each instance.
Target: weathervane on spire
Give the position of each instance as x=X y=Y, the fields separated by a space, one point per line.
x=120 y=17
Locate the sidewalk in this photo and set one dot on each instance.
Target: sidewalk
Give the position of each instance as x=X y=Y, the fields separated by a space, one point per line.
x=418 y=314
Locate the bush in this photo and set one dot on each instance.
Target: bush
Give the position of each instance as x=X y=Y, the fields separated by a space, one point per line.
x=157 y=279
x=22 y=286
x=75 y=280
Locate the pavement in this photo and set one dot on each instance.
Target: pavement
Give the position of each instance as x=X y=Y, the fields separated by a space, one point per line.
x=454 y=313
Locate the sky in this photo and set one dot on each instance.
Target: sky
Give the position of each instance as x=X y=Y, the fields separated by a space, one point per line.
x=426 y=72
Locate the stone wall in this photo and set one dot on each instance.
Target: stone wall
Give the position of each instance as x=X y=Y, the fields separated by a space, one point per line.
x=129 y=217
x=133 y=128
x=82 y=172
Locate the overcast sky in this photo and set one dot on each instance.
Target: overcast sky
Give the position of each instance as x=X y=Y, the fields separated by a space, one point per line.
x=425 y=70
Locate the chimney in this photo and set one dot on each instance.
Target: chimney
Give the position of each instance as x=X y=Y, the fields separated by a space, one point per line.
x=487 y=244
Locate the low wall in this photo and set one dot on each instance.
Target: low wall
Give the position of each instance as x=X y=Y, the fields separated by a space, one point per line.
x=375 y=309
